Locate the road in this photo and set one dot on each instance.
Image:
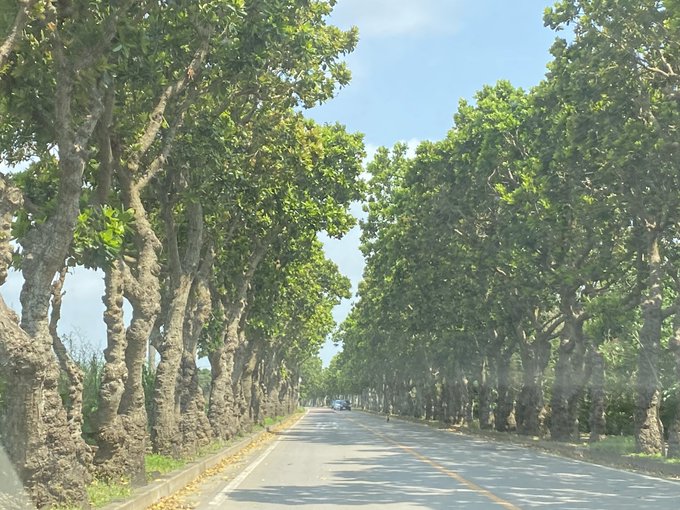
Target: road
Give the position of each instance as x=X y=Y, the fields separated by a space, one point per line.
x=335 y=460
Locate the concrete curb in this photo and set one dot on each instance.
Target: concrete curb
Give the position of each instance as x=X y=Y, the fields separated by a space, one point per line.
x=173 y=482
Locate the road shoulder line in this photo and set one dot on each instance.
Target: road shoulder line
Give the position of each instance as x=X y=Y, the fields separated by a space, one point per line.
x=451 y=474
x=156 y=490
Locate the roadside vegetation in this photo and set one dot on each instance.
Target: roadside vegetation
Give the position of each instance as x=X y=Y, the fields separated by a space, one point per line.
x=164 y=144
x=522 y=273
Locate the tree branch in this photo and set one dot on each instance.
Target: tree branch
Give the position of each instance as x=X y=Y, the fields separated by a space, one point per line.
x=20 y=22
x=158 y=114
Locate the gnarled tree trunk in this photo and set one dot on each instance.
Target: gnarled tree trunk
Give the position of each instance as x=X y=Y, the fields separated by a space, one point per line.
x=598 y=403
x=46 y=457
x=194 y=425
x=221 y=412
x=165 y=434
x=569 y=380
x=504 y=414
x=125 y=452
x=530 y=401
x=648 y=427
x=674 y=348
x=36 y=433
x=113 y=459
x=73 y=374
x=486 y=416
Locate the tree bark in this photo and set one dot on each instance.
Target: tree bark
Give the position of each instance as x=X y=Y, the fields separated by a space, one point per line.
x=241 y=358
x=126 y=446
x=73 y=374
x=674 y=348
x=35 y=431
x=504 y=414
x=220 y=411
x=569 y=380
x=530 y=402
x=112 y=457
x=598 y=403
x=648 y=426
x=12 y=38
x=165 y=434
x=248 y=381
x=194 y=425
x=486 y=416
x=46 y=457
x=257 y=394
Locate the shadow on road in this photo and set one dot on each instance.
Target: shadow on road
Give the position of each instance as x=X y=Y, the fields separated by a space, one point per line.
x=376 y=463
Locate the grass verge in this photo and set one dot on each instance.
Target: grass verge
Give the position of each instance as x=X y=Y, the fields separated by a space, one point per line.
x=615 y=445
x=156 y=464
x=100 y=493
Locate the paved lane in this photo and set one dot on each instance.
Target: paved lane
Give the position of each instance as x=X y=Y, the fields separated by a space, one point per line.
x=334 y=460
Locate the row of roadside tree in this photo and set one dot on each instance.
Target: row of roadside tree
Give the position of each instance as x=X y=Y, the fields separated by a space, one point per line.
x=163 y=144
x=523 y=272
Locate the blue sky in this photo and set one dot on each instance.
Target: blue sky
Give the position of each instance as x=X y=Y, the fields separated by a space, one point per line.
x=415 y=60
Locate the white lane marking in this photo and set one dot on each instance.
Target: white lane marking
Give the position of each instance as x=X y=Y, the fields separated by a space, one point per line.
x=530 y=450
x=224 y=493
x=327 y=425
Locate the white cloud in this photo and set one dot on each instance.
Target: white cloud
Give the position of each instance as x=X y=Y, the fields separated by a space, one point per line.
x=391 y=18
x=372 y=149
x=412 y=145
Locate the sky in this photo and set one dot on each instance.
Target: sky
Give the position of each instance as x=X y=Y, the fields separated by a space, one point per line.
x=415 y=60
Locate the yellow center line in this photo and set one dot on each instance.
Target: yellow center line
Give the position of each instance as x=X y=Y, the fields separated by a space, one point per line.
x=451 y=474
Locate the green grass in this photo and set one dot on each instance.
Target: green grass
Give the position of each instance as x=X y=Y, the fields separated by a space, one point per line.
x=619 y=445
x=272 y=421
x=654 y=456
x=210 y=449
x=161 y=463
x=625 y=446
x=100 y=493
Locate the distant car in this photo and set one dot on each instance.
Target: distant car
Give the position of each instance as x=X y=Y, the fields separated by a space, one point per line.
x=341 y=405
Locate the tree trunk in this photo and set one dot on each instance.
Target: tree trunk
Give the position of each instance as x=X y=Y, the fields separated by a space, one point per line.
x=44 y=452
x=165 y=434
x=126 y=446
x=258 y=396
x=194 y=425
x=248 y=381
x=504 y=414
x=569 y=381
x=674 y=348
x=73 y=374
x=20 y=21
x=486 y=416
x=648 y=426
x=530 y=402
x=111 y=459
x=269 y=387
x=220 y=412
x=598 y=403
x=459 y=404
x=241 y=358
x=122 y=418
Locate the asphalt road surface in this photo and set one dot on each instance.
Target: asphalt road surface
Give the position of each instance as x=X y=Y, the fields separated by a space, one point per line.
x=352 y=460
